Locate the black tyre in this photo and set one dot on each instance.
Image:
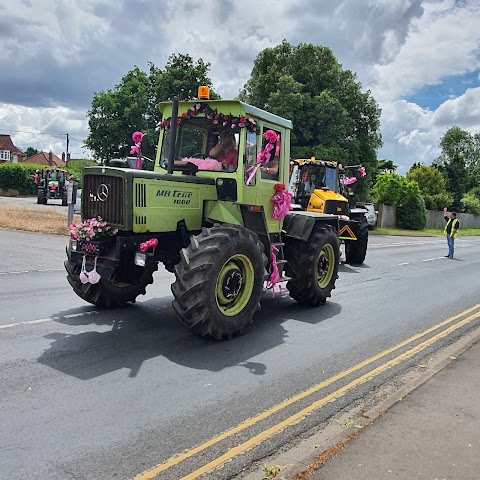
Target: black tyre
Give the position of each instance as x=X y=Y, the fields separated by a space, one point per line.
x=219 y=281
x=41 y=198
x=107 y=294
x=356 y=250
x=64 y=200
x=313 y=266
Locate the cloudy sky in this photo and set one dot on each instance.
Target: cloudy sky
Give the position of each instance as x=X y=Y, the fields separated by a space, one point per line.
x=420 y=58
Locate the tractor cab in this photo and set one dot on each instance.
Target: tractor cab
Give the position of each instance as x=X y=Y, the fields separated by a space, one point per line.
x=316 y=186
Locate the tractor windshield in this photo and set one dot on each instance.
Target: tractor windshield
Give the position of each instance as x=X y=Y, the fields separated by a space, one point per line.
x=309 y=177
x=199 y=141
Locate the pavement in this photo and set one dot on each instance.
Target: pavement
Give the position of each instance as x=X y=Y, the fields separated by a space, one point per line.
x=433 y=433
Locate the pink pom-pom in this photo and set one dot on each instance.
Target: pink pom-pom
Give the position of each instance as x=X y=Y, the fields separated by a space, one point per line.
x=137 y=137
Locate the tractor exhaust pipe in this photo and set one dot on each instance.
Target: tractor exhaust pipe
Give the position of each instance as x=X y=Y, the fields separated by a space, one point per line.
x=173 y=136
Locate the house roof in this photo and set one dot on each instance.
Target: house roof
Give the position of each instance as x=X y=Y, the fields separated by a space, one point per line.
x=7 y=144
x=41 y=158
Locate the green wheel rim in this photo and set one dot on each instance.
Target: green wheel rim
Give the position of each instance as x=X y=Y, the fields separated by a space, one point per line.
x=326 y=265
x=234 y=286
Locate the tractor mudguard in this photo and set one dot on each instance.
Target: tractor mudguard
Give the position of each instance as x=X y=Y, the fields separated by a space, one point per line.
x=299 y=225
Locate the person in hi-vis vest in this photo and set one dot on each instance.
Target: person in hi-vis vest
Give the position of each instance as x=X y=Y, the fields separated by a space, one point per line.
x=451 y=229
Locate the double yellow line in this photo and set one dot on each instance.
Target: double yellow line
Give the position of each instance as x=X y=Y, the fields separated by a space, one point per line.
x=301 y=414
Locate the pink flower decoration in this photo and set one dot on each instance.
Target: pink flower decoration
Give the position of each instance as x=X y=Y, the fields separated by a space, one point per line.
x=137 y=137
x=270 y=136
x=362 y=171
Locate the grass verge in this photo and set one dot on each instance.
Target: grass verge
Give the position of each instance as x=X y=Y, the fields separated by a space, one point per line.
x=463 y=232
x=33 y=219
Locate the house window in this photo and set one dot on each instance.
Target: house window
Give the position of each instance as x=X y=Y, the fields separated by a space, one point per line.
x=5 y=155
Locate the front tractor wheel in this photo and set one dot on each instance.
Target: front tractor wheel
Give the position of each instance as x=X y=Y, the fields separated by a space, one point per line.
x=313 y=266
x=107 y=293
x=219 y=281
x=356 y=250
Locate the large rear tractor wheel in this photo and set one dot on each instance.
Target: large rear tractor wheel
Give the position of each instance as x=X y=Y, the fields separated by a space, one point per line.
x=219 y=281
x=356 y=250
x=109 y=294
x=313 y=266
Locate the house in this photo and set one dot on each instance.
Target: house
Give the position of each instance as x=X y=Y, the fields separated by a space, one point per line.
x=8 y=151
x=48 y=159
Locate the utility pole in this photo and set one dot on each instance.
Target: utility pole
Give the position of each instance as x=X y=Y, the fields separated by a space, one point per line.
x=67 y=158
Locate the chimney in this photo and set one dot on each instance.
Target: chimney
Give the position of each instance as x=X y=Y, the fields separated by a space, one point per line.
x=63 y=156
x=50 y=158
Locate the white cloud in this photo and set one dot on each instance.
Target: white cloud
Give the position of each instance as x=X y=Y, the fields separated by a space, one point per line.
x=53 y=123
x=444 y=41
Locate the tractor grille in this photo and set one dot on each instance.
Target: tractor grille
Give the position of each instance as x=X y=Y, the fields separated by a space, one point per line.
x=104 y=196
x=140 y=195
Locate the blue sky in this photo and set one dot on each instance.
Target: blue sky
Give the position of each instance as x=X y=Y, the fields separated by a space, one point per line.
x=420 y=58
x=432 y=96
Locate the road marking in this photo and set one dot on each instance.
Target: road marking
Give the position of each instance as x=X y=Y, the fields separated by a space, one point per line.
x=431 y=259
x=33 y=271
x=42 y=320
x=297 y=417
x=175 y=460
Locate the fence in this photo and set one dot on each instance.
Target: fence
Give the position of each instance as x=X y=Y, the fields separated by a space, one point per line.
x=435 y=220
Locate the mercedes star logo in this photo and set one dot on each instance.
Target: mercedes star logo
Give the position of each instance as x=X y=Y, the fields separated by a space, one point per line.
x=102 y=192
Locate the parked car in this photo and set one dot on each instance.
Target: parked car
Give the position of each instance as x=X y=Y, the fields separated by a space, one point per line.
x=371 y=214
x=77 y=208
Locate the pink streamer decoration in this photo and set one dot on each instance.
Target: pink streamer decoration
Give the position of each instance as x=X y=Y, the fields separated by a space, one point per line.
x=281 y=204
x=349 y=180
x=137 y=137
x=265 y=155
x=274 y=277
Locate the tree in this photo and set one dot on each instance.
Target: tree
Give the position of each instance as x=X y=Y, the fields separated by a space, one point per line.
x=133 y=105
x=411 y=214
x=390 y=188
x=332 y=118
x=432 y=186
x=397 y=191
x=386 y=166
x=471 y=203
x=30 y=152
x=460 y=154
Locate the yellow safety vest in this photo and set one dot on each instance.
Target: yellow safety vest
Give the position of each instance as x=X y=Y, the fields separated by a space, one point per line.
x=454 y=227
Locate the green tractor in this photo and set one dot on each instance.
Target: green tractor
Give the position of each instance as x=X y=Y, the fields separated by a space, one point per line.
x=52 y=184
x=206 y=212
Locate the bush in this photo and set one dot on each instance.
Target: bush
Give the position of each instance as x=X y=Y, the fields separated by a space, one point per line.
x=411 y=214
x=471 y=203
x=19 y=176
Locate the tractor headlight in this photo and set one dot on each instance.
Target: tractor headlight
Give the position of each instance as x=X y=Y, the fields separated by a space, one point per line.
x=140 y=259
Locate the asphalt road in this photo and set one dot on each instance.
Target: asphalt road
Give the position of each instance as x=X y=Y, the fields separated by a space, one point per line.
x=90 y=394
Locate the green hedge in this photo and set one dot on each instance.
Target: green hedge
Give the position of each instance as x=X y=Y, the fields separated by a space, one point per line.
x=19 y=176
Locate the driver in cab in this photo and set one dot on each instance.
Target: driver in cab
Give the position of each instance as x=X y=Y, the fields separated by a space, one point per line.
x=225 y=151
